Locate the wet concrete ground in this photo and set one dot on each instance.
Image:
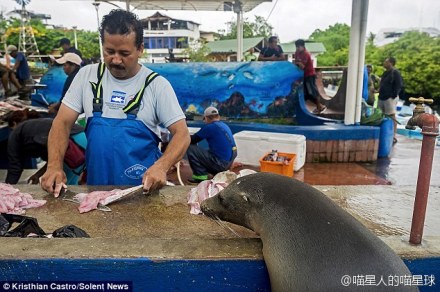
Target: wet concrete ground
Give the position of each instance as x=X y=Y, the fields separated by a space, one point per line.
x=400 y=168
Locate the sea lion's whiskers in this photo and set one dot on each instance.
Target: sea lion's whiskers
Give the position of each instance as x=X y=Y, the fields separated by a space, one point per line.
x=223 y=224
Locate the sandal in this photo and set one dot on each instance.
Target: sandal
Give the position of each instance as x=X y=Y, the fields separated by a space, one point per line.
x=394 y=141
x=317 y=111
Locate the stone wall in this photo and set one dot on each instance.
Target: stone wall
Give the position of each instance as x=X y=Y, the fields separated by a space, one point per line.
x=342 y=150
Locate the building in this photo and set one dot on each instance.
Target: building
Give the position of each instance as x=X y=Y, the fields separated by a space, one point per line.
x=389 y=35
x=166 y=38
x=226 y=50
x=314 y=48
x=209 y=36
x=162 y=33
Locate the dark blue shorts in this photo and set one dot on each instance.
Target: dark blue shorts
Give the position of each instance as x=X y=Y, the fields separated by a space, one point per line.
x=310 y=89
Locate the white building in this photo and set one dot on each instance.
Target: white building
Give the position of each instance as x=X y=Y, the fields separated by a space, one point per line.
x=162 y=33
x=389 y=35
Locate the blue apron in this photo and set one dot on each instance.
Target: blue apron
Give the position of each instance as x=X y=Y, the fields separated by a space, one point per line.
x=119 y=151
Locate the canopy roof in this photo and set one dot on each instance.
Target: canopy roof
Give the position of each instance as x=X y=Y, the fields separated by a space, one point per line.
x=195 y=5
x=230 y=46
x=314 y=47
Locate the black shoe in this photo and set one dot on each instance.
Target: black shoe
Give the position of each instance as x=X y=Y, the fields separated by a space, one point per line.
x=195 y=181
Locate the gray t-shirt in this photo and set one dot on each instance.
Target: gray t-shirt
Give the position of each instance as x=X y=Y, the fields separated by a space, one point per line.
x=159 y=104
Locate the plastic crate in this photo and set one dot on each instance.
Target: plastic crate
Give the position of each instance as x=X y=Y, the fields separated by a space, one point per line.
x=278 y=167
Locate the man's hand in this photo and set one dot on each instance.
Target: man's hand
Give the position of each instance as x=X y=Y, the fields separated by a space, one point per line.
x=53 y=180
x=300 y=65
x=53 y=108
x=154 y=178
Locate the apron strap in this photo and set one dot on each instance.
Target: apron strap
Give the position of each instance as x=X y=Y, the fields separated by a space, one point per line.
x=132 y=106
x=97 y=89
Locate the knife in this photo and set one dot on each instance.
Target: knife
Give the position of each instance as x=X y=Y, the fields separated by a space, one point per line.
x=69 y=196
x=123 y=193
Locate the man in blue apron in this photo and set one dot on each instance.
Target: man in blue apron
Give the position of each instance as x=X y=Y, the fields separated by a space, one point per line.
x=124 y=104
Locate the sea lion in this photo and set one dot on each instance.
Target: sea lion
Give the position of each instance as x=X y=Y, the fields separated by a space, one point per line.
x=309 y=242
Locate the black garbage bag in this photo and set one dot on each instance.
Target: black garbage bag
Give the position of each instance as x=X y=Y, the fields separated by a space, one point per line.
x=26 y=226
x=4 y=225
x=69 y=231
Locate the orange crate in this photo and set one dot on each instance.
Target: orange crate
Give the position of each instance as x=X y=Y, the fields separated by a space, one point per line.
x=278 y=167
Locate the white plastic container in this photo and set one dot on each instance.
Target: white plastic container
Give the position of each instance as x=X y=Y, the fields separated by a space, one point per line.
x=193 y=130
x=252 y=145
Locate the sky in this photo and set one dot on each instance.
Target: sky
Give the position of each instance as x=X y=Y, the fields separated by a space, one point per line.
x=291 y=19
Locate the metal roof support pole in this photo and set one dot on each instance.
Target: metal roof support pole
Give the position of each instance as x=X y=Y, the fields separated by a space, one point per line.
x=74 y=36
x=22 y=41
x=239 y=11
x=96 y=4
x=353 y=63
x=361 y=61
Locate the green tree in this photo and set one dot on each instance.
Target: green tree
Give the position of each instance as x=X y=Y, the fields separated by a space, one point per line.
x=48 y=39
x=197 y=51
x=336 y=39
x=258 y=28
x=417 y=55
x=418 y=60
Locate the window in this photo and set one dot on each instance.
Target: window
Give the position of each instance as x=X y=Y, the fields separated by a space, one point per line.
x=164 y=42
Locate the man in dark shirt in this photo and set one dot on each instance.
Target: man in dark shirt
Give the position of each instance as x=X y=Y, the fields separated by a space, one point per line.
x=390 y=85
x=222 y=148
x=71 y=65
x=273 y=52
x=67 y=48
x=29 y=140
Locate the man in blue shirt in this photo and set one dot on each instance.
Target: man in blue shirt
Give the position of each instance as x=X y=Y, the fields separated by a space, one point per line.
x=21 y=67
x=222 y=148
x=71 y=64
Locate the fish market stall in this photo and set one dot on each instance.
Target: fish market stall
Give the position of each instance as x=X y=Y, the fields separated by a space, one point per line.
x=153 y=242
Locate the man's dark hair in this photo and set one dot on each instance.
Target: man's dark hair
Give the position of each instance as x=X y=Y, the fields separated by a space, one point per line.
x=272 y=39
x=64 y=41
x=392 y=60
x=123 y=22
x=369 y=66
x=300 y=43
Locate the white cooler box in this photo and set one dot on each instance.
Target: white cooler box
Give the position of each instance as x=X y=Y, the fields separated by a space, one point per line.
x=252 y=145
